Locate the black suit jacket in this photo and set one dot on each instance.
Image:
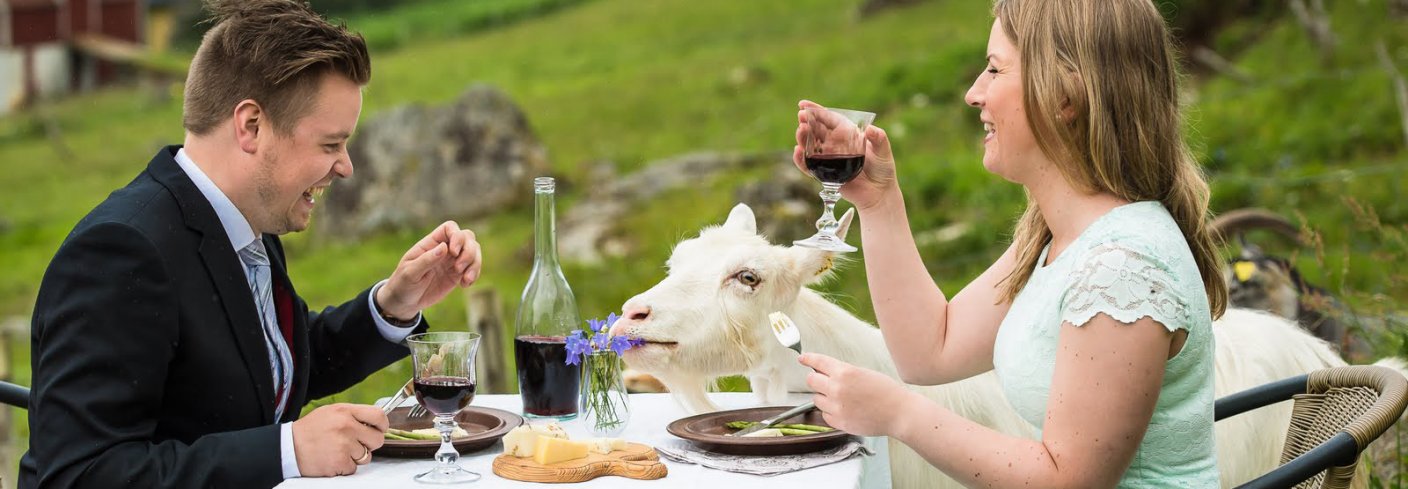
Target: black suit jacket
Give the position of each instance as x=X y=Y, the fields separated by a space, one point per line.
x=149 y=360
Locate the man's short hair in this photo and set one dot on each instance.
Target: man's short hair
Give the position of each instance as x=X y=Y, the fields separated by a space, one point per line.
x=273 y=52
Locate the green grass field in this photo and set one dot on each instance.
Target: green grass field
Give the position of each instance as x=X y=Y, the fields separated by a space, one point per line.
x=631 y=82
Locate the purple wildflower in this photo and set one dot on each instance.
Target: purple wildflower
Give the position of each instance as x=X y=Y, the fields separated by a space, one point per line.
x=601 y=341
x=577 y=347
x=620 y=344
x=597 y=337
x=594 y=325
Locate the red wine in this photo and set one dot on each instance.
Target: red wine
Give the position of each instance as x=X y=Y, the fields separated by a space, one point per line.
x=444 y=395
x=835 y=168
x=546 y=382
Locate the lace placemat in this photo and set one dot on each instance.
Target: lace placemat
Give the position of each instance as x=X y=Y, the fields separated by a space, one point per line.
x=686 y=452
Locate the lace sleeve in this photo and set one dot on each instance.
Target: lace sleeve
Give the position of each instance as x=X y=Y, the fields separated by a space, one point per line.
x=1127 y=284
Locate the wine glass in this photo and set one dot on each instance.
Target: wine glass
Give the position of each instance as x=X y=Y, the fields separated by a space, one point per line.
x=833 y=148
x=444 y=384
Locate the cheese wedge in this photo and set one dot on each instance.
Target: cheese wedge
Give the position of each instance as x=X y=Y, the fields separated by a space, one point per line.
x=554 y=450
x=605 y=446
x=523 y=440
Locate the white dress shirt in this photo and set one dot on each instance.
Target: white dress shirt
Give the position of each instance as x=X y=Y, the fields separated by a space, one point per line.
x=241 y=234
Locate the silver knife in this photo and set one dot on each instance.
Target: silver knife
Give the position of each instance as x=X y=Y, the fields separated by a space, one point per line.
x=780 y=417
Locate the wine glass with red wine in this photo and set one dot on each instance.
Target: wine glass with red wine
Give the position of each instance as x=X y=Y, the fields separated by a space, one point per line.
x=833 y=148
x=444 y=384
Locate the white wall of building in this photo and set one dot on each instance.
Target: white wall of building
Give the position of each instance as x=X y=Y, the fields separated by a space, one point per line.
x=11 y=79
x=51 y=69
x=51 y=73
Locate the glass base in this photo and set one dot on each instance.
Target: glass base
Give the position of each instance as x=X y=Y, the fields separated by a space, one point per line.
x=825 y=242
x=447 y=475
x=565 y=417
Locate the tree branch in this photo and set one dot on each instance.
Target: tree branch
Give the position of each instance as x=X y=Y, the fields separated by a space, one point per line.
x=1218 y=64
x=1317 y=25
x=1400 y=86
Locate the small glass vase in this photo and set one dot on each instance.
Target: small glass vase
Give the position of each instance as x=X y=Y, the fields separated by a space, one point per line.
x=603 y=404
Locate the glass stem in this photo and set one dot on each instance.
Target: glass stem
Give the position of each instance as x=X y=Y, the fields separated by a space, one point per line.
x=447 y=456
x=830 y=194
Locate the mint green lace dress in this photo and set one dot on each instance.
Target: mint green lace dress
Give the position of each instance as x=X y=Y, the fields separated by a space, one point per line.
x=1131 y=263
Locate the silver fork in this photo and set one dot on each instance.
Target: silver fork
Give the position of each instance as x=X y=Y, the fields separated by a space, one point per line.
x=786 y=333
x=404 y=392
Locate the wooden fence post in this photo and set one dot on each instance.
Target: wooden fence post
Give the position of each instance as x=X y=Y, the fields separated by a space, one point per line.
x=486 y=317
x=11 y=330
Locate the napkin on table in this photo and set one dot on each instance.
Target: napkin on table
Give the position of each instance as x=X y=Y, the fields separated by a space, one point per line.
x=686 y=452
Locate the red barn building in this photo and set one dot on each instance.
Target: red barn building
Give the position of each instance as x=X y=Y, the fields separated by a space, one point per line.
x=37 y=55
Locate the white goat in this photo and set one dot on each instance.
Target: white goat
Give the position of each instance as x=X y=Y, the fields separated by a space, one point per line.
x=708 y=318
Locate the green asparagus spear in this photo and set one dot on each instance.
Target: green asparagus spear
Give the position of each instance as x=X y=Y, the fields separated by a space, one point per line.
x=792 y=432
x=797 y=429
x=808 y=427
x=393 y=436
x=412 y=435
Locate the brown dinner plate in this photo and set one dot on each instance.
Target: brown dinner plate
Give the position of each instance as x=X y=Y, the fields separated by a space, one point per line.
x=707 y=431
x=485 y=426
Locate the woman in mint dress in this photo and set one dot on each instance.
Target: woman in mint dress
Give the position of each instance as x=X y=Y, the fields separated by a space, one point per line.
x=1098 y=317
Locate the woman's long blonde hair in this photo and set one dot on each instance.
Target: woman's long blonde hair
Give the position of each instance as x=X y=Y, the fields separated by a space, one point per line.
x=1110 y=63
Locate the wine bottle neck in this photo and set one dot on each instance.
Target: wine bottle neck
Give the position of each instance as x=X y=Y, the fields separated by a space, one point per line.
x=545 y=227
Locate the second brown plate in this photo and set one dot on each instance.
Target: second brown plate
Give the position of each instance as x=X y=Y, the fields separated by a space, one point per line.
x=707 y=431
x=485 y=427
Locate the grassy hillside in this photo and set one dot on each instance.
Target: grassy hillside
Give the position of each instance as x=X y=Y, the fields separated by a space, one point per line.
x=630 y=82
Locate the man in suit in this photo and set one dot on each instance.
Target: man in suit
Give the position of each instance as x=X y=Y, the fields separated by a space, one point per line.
x=170 y=349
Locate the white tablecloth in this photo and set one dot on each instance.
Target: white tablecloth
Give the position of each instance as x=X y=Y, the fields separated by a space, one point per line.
x=650 y=413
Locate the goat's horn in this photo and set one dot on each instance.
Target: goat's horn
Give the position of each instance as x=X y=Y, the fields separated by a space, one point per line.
x=1238 y=221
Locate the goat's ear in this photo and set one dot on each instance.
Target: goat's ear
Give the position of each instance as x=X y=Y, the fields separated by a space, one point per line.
x=741 y=218
x=811 y=265
x=846 y=220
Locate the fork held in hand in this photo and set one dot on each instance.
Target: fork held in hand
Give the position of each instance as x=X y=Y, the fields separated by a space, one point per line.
x=786 y=331
x=401 y=395
x=773 y=421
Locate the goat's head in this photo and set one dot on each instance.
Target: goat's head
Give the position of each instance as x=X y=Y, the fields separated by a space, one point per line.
x=709 y=315
x=1256 y=280
x=1267 y=283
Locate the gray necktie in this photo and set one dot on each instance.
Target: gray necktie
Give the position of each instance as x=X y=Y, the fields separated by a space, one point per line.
x=256 y=262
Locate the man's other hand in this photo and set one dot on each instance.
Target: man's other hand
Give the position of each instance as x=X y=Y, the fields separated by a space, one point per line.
x=445 y=258
x=335 y=439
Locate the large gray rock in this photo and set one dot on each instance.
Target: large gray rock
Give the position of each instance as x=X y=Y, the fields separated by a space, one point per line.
x=417 y=166
x=871 y=7
x=589 y=230
x=786 y=205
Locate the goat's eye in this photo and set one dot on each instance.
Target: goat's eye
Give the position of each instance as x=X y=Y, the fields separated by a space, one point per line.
x=749 y=278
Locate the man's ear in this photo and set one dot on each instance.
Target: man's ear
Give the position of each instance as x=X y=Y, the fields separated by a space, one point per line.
x=248 y=116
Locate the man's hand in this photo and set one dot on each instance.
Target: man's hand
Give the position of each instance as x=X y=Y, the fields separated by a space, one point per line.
x=335 y=439
x=447 y=257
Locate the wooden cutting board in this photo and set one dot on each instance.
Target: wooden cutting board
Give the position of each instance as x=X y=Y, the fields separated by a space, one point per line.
x=636 y=461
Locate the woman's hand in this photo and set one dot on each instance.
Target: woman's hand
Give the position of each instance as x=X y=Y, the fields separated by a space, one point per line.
x=853 y=399
x=877 y=178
